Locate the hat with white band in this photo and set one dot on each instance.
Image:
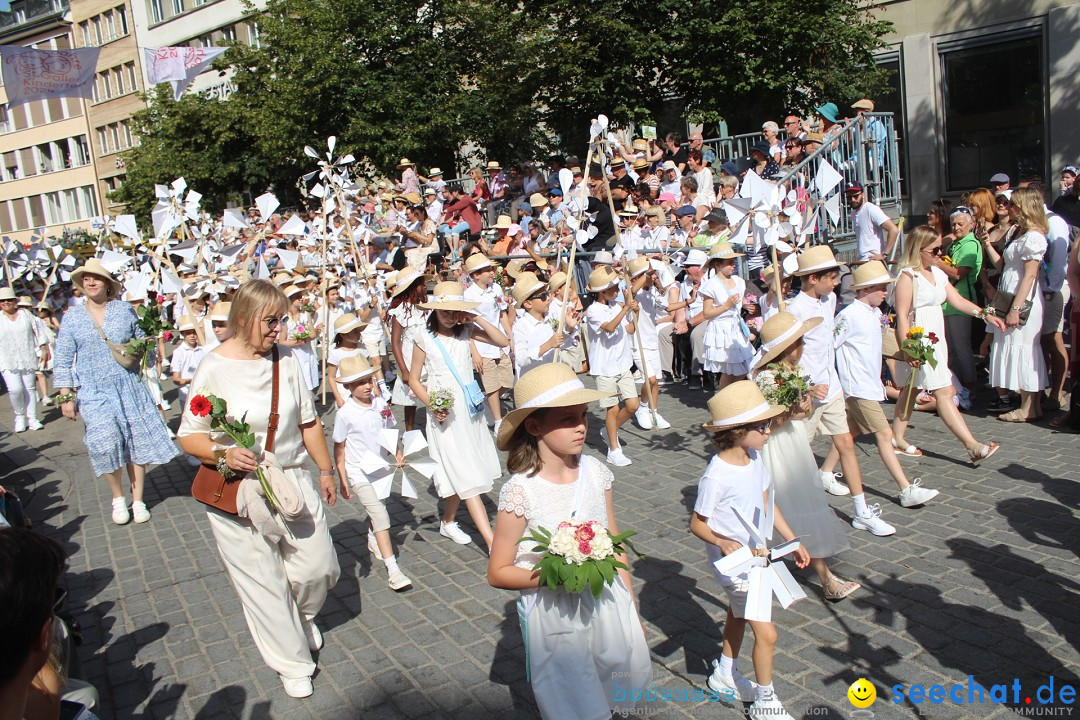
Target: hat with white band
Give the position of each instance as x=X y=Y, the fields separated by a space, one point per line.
x=819 y=258
x=448 y=296
x=477 y=262
x=221 y=311
x=402 y=280
x=353 y=368
x=871 y=274
x=546 y=386
x=347 y=323
x=777 y=335
x=740 y=403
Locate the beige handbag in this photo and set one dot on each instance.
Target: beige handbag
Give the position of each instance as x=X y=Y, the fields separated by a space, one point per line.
x=121 y=354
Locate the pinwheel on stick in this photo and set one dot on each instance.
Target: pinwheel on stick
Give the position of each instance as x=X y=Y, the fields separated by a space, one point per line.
x=413 y=456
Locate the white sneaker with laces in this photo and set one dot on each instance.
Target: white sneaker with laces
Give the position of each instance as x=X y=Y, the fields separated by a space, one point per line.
x=832 y=485
x=120 y=514
x=618 y=458
x=314 y=636
x=915 y=494
x=398 y=582
x=734 y=684
x=604 y=437
x=771 y=709
x=872 y=521
x=643 y=417
x=139 y=512
x=297 y=687
x=165 y=404
x=46 y=401
x=20 y=423
x=455 y=533
x=661 y=423
x=34 y=424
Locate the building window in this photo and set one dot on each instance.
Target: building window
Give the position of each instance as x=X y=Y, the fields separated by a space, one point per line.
x=228 y=34
x=103 y=141
x=133 y=82
x=995 y=119
x=178 y=6
x=84 y=28
x=156 y=11
x=98 y=39
x=5 y=123
x=110 y=25
x=121 y=19
x=253 y=34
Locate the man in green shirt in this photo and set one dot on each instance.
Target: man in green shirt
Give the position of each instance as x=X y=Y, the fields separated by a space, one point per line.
x=962 y=264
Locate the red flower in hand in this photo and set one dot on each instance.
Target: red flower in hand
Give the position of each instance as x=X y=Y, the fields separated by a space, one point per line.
x=200 y=406
x=933 y=338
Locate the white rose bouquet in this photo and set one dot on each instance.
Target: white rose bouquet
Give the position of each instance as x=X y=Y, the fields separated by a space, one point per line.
x=579 y=555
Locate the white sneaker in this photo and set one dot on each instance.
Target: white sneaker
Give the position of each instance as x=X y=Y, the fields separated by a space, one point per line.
x=139 y=513
x=643 y=417
x=604 y=437
x=771 y=709
x=618 y=458
x=455 y=533
x=832 y=485
x=398 y=582
x=120 y=514
x=165 y=404
x=735 y=685
x=35 y=424
x=915 y=494
x=20 y=423
x=314 y=637
x=297 y=687
x=661 y=423
x=46 y=401
x=872 y=521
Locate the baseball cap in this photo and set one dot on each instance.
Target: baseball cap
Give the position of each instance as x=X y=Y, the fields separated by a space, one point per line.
x=854 y=188
x=685 y=210
x=1071 y=169
x=555 y=192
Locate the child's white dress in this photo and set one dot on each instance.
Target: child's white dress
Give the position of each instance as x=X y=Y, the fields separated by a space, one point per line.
x=412 y=320
x=727 y=348
x=585 y=656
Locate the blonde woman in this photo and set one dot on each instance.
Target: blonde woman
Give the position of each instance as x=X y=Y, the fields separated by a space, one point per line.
x=1016 y=358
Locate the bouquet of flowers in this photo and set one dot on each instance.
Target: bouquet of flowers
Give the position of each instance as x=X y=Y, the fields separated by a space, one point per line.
x=300 y=333
x=579 y=554
x=947 y=260
x=307 y=307
x=153 y=325
x=917 y=345
x=782 y=385
x=387 y=413
x=206 y=403
x=440 y=400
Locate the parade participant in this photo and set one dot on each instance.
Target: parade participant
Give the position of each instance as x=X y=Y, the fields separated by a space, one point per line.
x=611 y=356
x=219 y=322
x=369 y=304
x=875 y=232
x=347 y=329
x=457 y=439
x=535 y=339
x=727 y=342
x=652 y=299
x=820 y=274
x=736 y=478
x=299 y=331
x=574 y=356
x=123 y=428
x=920 y=291
x=22 y=340
x=282 y=584
x=407 y=320
x=45 y=359
x=599 y=642
x=186 y=358
x=356 y=432
x=790 y=459
x=690 y=345
x=492 y=363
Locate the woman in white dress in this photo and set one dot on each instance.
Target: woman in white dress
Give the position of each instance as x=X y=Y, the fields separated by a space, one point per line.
x=920 y=291
x=302 y=350
x=407 y=320
x=727 y=346
x=1016 y=357
x=22 y=338
x=458 y=440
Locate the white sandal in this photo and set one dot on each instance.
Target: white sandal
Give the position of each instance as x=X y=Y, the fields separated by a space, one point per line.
x=909 y=451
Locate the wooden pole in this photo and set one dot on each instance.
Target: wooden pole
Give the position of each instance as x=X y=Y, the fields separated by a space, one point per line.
x=325 y=293
x=187 y=303
x=574 y=244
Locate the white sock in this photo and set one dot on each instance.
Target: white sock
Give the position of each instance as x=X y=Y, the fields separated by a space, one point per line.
x=726 y=665
x=766 y=692
x=391 y=564
x=860 y=505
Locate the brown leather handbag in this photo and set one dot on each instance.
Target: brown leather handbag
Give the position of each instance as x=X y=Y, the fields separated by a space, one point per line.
x=209 y=486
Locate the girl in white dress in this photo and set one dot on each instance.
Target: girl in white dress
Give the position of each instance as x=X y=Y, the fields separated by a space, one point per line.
x=920 y=291
x=1016 y=357
x=407 y=320
x=457 y=440
x=302 y=350
x=585 y=656
x=727 y=345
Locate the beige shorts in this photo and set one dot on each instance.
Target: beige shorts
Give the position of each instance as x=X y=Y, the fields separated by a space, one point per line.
x=830 y=417
x=866 y=415
x=620 y=387
x=376 y=511
x=375 y=349
x=1054 y=311
x=498 y=374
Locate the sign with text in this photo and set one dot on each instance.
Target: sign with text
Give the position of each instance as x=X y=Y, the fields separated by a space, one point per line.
x=31 y=74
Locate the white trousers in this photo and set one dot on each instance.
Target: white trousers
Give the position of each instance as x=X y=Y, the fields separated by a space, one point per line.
x=283 y=585
x=22 y=391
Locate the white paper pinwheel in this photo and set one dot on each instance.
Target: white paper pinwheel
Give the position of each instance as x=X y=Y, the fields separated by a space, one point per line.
x=33 y=263
x=381 y=469
x=768 y=575
x=333 y=174
x=174 y=208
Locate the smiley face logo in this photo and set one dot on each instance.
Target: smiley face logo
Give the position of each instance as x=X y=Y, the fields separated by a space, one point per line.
x=862 y=693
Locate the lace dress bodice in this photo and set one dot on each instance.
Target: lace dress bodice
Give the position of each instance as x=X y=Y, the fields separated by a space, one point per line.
x=545 y=504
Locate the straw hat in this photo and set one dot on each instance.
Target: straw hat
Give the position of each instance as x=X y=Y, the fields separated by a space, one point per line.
x=25 y=301
x=640 y=164
x=546 y=386
x=557 y=281
x=494 y=165
x=514 y=267
x=870 y=274
x=390 y=280
x=629 y=210
x=348 y=322
x=740 y=403
x=537 y=200
x=778 y=333
x=724 y=251
x=639 y=266
x=43 y=305
x=7 y=293
x=477 y=262
x=816 y=259
x=602 y=278
x=94 y=267
x=863 y=104
x=503 y=223
x=526 y=286
x=402 y=279
x=353 y=368
x=434 y=172
x=186 y=322
x=641 y=144
x=221 y=312
x=291 y=290
x=282 y=278
x=406 y=162
x=603 y=257
x=448 y=296
x=617 y=163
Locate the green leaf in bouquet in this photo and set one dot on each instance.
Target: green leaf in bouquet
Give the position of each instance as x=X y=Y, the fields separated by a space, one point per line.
x=141 y=312
x=581 y=578
x=596 y=580
x=607 y=569
x=566 y=570
x=218 y=406
x=619 y=565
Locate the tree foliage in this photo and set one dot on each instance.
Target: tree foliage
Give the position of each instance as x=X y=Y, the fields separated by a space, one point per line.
x=426 y=79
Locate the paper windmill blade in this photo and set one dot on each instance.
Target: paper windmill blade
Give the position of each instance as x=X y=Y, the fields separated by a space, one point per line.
x=382 y=472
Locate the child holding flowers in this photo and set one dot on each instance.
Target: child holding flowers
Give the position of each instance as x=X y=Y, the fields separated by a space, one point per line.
x=585 y=651
x=737 y=479
x=298 y=334
x=458 y=440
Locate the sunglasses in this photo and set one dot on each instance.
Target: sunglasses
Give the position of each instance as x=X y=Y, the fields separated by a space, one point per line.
x=934 y=250
x=541 y=296
x=962 y=210
x=272 y=323
x=763 y=428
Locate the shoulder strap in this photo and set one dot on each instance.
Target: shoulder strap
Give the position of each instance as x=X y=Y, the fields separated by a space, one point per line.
x=272 y=423
x=449 y=362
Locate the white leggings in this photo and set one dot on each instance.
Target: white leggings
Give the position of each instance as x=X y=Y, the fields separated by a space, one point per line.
x=22 y=391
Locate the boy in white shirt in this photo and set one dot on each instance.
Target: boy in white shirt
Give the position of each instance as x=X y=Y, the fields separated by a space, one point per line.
x=491 y=362
x=356 y=431
x=653 y=302
x=535 y=337
x=186 y=357
x=610 y=357
x=820 y=274
x=858 y=360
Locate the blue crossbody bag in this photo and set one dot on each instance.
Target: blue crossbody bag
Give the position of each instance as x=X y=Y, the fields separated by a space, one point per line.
x=474 y=396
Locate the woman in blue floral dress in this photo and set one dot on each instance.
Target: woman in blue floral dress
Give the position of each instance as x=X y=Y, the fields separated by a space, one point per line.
x=123 y=427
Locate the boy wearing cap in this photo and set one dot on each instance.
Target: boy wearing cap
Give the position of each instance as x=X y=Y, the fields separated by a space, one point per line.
x=820 y=274
x=858 y=360
x=535 y=337
x=186 y=358
x=492 y=363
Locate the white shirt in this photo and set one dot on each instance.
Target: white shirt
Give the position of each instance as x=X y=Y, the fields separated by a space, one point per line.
x=529 y=335
x=434 y=211
x=185 y=360
x=722 y=489
x=358 y=427
x=1057 y=253
x=867 y=224
x=695 y=307
x=492 y=306
x=610 y=354
x=373 y=332
x=819 y=355
x=857 y=340
x=653 y=306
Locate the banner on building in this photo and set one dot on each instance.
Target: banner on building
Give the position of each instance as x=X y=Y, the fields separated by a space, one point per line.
x=31 y=74
x=177 y=66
